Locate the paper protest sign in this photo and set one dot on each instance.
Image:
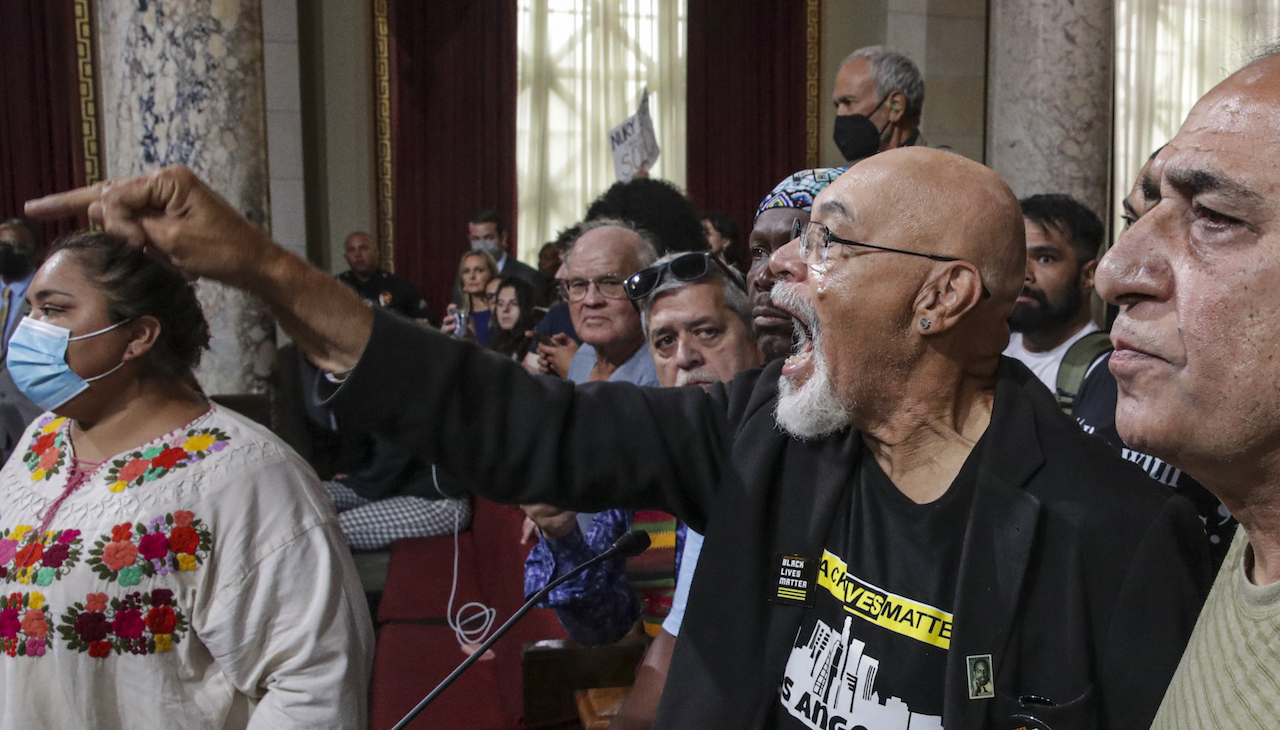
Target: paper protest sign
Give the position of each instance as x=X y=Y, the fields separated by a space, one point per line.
x=634 y=144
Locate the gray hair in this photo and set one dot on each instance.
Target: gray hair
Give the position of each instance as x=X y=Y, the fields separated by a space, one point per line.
x=891 y=71
x=1263 y=52
x=734 y=292
x=646 y=252
x=31 y=240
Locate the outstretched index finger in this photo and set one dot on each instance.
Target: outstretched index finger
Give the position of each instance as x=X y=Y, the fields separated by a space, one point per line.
x=61 y=205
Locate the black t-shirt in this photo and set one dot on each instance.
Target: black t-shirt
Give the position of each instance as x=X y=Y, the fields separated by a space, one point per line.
x=1095 y=410
x=389 y=291
x=872 y=650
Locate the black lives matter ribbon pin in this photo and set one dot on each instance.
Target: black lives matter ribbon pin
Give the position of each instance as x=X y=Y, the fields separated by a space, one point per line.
x=797 y=576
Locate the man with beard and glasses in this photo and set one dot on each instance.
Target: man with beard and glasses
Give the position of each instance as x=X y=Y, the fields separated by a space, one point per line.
x=881 y=510
x=1052 y=313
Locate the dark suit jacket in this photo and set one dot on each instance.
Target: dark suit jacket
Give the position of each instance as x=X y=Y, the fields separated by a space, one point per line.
x=1079 y=576
x=16 y=410
x=517 y=268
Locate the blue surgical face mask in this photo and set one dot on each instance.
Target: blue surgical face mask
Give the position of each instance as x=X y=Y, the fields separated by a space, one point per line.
x=37 y=362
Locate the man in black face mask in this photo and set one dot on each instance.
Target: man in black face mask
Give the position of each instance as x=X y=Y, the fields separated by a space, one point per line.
x=17 y=265
x=878 y=97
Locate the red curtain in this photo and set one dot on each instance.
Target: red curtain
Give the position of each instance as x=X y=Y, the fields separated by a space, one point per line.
x=41 y=147
x=746 y=105
x=453 y=110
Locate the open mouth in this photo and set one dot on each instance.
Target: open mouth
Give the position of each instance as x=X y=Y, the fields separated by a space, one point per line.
x=799 y=364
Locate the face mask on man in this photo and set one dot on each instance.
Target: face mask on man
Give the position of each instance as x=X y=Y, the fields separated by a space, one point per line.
x=857 y=136
x=13 y=265
x=37 y=362
x=489 y=246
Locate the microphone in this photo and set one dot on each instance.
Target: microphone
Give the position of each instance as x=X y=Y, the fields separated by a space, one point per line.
x=629 y=545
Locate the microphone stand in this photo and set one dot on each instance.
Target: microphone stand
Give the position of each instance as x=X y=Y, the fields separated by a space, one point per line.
x=629 y=545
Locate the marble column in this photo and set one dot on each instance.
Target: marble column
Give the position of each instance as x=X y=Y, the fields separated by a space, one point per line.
x=1049 y=97
x=182 y=83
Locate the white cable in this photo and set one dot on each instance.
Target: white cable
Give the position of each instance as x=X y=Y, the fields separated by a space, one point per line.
x=461 y=623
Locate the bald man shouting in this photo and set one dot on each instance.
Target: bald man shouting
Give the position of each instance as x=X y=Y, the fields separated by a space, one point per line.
x=901 y=527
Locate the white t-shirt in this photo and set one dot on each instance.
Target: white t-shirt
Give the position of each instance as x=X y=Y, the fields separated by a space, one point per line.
x=199 y=581
x=1045 y=364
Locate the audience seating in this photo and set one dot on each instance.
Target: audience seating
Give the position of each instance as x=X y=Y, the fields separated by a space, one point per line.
x=416 y=649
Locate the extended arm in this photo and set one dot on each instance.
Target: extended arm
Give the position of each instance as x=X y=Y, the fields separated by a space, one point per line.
x=482 y=418
x=193 y=227
x=522 y=439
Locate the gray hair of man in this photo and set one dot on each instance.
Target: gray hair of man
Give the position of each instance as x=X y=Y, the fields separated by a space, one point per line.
x=733 y=291
x=30 y=239
x=891 y=71
x=646 y=252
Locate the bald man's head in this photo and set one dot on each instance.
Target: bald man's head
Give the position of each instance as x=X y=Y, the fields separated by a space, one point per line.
x=1195 y=277
x=942 y=263
x=361 y=254
x=944 y=204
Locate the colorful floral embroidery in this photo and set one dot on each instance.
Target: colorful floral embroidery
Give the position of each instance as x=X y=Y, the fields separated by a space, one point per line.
x=168 y=543
x=40 y=560
x=140 y=623
x=24 y=624
x=48 y=450
x=153 y=462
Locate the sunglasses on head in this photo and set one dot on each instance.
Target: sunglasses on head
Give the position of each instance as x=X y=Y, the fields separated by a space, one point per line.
x=685 y=267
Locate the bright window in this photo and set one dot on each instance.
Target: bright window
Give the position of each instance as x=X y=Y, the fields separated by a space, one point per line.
x=1168 y=54
x=583 y=66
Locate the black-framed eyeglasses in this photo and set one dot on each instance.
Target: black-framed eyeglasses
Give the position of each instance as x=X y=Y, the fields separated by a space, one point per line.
x=686 y=267
x=816 y=239
x=610 y=286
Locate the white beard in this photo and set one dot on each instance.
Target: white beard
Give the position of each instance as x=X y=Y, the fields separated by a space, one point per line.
x=812 y=410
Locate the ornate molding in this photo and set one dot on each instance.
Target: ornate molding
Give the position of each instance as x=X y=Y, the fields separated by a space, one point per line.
x=812 y=69
x=87 y=70
x=382 y=138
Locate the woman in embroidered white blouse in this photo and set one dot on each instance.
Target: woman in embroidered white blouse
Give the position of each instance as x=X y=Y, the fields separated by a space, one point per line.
x=163 y=562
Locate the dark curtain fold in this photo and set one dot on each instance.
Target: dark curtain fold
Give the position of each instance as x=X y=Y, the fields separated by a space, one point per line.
x=746 y=106
x=41 y=147
x=453 y=90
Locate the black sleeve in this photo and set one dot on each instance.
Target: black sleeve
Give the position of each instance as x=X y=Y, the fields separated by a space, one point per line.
x=1156 y=609
x=524 y=439
x=407 y=300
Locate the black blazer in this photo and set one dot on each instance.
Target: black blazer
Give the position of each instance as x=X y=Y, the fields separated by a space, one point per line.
x=1080 y=576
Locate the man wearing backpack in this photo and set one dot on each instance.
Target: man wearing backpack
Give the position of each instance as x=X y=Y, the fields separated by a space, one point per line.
x=1053 y=333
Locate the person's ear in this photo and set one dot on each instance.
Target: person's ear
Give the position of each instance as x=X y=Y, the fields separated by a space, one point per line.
x=947 y=297
x=1086 y=275
x=897 y=106
x=144 y=331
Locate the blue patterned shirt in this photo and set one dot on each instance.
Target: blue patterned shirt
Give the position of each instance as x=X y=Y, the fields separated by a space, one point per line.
x=598 y=607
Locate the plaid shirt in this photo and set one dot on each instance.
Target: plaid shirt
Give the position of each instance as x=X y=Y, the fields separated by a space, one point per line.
x=375 y=524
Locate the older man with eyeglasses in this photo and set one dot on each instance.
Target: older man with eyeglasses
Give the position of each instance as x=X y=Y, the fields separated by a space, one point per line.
x=889 y=509
x=605 y=254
